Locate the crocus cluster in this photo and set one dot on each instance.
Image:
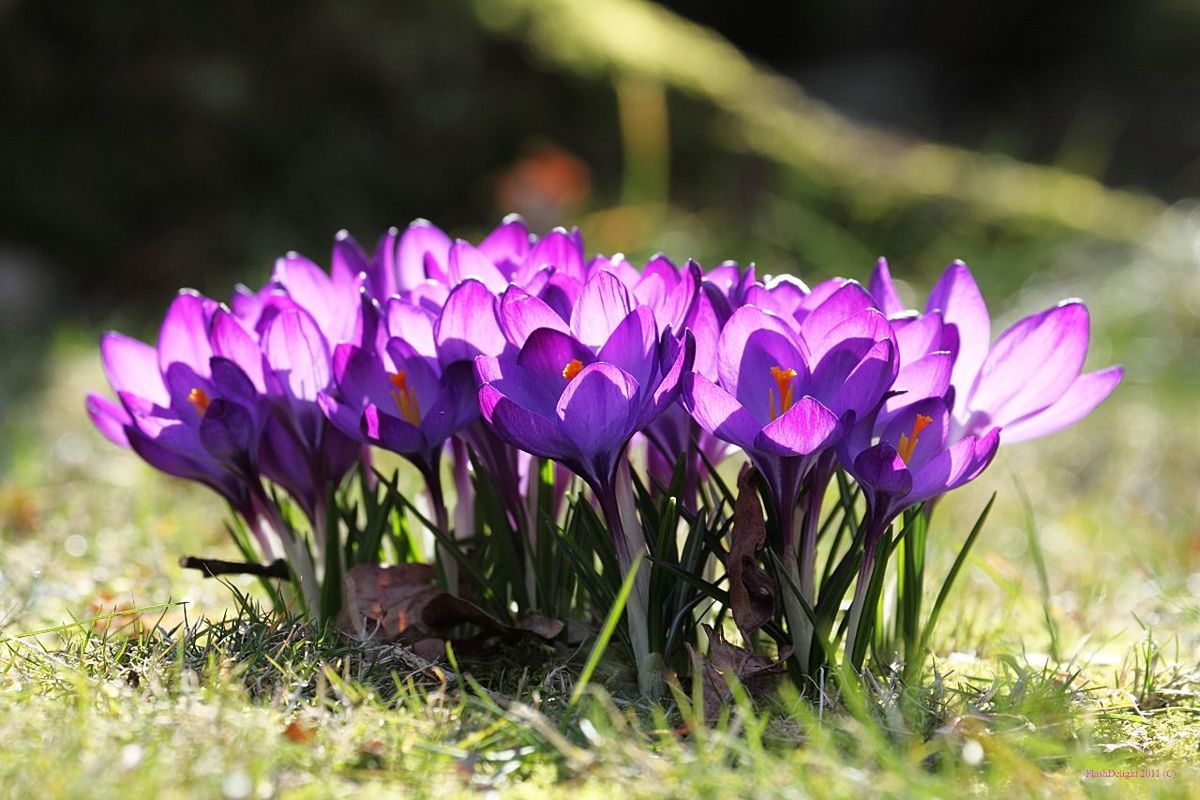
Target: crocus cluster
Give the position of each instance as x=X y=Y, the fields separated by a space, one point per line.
x=522 y=348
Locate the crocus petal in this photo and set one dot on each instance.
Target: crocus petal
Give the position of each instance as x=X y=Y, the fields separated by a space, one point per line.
x=559 y=249
x=1032 y=364
x=928 y=377
x=232 y=341
x=227 y=430
x=547 y=354
x=183 y=337
x=360 y=377
x=414 y=324
x=918 y=336
x=465 y=261
x=958 y=299
x=520 y=314
x=718 y=412
x=802 y=430
x=1084 y=395
x=955 y=466
x=508 y=245
x=883 y=470
x=849 y=300
x=931 y=440
x=391 y=432
x=349 y=261
x=753 y=342
x=596 y=410
x=864 y=387
x=312 y=289
x=468 y=326
x=522 y=428
x=633 y=346
x=298 y=354
x=132 y=366
x=884 y=291
x=603 y=304
x=109 y=418
x=421 y=238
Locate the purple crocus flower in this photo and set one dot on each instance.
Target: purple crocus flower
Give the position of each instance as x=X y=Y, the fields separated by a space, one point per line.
x=1030 y=381
x=578 y=393
x=905 y=461
x=196 y=414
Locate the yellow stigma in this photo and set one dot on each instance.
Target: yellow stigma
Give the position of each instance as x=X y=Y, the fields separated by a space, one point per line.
x=406 y=401
x=573 y=368
x=783 y=379
x=908 y=443
x=199 y=399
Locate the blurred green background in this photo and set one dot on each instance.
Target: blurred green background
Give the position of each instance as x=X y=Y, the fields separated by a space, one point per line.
x=1054 y=148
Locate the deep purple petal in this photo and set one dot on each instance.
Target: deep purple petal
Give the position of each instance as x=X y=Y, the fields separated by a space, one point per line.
x=545 y=358
x=559 y=249
x=883 y=470
x=521 y=427
x=391 y=432
x=597 y=410
x=633 y=346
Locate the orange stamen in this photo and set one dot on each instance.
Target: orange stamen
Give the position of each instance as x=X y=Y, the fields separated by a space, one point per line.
x=573 y=368
x=199 y=399
x=406 y=401
x=908 y=442
x=783 y=379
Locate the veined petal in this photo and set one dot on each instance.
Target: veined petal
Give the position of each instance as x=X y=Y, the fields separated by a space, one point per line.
x=1086 y=393
x=183 y=337
x=298 y=354
x=805 y=428
x=718 y=412
x=522 y=428
x=232 y=341
x=753 y=342
x=560 y=249
x=412 y=323
x=507 y=245
x=132 y=366
x=467 y=262
x=927 y=377
x=847 y=301
x=348 y=261
x=633 y=346
x=520 y=314
x=597 y=409
x=958 y=299
x=1032 y=364
x=421 y=238
x=887 y=299
x=468 y=326
x=602 y=305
